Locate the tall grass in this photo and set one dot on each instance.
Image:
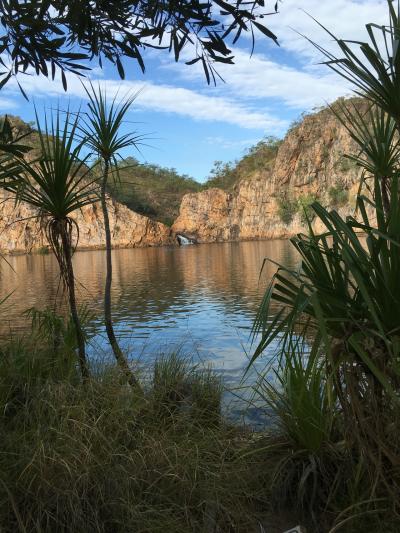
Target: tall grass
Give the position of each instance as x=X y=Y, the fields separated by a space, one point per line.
x=105 y=457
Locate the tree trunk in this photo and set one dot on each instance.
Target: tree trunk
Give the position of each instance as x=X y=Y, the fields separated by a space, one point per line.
x=69 y=275
x=119 y=355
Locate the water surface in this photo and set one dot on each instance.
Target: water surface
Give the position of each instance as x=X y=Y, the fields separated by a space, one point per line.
x=200 y=298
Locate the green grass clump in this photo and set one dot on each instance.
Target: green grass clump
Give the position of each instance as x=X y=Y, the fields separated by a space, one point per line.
x=103 y=457
x=287 y=209
x=304 y=204
x=338 y=196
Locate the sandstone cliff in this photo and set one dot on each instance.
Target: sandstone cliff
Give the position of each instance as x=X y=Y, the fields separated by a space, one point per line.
x=270 y=203
x=20 y=228
x=266 y=202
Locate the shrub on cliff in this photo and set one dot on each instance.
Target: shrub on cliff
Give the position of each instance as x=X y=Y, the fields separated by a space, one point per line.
x=304 y=205
x=287 y=208
x=338 y=196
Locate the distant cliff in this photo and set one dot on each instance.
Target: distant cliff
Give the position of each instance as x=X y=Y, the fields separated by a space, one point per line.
x=271 y=202
x=20 y=230
x=265 y=195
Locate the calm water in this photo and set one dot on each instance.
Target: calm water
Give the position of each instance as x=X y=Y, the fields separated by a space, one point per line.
x=201 y=298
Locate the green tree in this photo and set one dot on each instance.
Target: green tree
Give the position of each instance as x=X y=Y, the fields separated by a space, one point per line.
x=56 y=185
x=101 y=131
x=51 y=35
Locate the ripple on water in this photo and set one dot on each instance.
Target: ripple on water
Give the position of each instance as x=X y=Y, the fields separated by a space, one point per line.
x=202 y=298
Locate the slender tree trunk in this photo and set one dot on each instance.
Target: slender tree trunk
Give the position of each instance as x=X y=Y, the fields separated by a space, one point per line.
x=72 y=304
x=119 y=355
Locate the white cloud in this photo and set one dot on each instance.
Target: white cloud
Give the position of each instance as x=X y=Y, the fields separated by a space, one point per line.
x=226 y=143
x=301 y=83
x=166 y=99
x=345 y=18
x=254 y=85
x=7 y=104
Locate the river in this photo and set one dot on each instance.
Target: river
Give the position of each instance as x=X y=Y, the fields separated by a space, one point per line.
x=200 y=299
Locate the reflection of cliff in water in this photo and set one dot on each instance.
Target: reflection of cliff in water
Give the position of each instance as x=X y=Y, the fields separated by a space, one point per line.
x=150 y=285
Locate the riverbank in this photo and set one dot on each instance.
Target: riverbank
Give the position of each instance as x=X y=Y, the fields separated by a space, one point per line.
x=103 y=457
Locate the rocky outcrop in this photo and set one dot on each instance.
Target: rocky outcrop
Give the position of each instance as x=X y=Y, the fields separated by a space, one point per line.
x=20 y=229
x=309 y=165
x=264 y=204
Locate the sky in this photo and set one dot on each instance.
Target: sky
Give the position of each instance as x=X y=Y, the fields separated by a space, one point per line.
x=188 y=124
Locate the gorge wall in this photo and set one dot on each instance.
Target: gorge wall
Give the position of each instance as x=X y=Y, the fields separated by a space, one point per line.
x=268 y=204
x=263 y=204
x=20 y=230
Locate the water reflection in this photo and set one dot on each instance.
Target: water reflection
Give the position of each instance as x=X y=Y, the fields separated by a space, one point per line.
x=202 y=297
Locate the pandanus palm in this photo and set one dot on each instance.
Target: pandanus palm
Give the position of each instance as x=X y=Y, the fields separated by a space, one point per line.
x=373 y=67
x=375 y=133
x=56 y=184
x=346 y=295
x=101 y=131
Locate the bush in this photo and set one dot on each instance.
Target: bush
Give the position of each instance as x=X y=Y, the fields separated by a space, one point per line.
x=287 y=209
x=338 y=196
x=346 y=164
x=304 y=204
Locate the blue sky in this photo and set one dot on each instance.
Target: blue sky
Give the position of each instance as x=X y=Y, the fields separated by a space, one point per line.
x=190 y=124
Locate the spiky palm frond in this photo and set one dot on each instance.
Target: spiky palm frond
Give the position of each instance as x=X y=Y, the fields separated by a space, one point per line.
x=10 y=144
x=59 y=181
x=56 y=184
x=101 y=131
x=373 y=67
x=375 y=134
x=346 y=290
x=101 y=126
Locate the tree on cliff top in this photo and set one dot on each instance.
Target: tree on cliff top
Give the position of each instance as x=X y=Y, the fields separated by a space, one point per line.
x=50 y=35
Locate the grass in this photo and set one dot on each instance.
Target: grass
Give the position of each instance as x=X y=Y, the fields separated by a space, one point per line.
x=103 y=457
x=310 y=467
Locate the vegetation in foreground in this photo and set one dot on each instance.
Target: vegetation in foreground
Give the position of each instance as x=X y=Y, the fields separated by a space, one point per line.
x=337 y=390
x=101 y=456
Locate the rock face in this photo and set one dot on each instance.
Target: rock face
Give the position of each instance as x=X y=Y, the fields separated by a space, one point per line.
x=264 y=204
x=309 y=165
x=20 y=230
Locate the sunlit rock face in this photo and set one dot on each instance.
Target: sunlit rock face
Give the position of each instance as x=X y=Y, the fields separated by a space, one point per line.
x=309 y=164
x=20 y=229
